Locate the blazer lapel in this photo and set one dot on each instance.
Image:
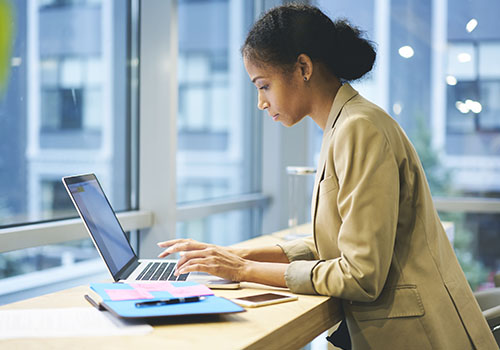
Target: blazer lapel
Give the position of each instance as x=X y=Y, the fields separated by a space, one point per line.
x=344 y=94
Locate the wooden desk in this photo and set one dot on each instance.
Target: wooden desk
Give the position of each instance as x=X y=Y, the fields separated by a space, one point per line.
x=282 y=326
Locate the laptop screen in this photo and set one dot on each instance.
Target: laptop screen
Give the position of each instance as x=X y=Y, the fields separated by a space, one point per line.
x=101 y=221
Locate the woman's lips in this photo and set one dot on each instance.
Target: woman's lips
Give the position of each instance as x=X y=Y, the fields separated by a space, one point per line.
x=275 y=117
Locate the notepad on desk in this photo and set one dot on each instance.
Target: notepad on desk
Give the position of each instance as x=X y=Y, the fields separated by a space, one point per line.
x=121 y=299
x=65 y=322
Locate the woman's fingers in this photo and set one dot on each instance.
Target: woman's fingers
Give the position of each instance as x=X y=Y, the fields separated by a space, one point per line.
x=180 y=245
x=214 y=260
x=211 y=266
x=194 y=254
x=203 y=257
x=194 y=265
x=164 y=253
x=171 y=242
x=168 y=245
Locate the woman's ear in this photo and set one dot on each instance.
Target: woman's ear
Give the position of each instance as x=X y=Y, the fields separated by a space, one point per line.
x=305 y=65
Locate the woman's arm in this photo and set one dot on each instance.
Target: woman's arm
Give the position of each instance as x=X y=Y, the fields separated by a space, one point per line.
x=265 y=265
x=222 y=263
x=272 y=274
x=262 y=254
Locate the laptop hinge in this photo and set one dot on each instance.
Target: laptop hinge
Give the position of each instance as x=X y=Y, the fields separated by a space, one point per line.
x=127 y=269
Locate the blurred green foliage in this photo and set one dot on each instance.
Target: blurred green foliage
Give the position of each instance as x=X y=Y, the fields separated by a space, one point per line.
x=475 y=272
x=6 y=34
x=440 y=182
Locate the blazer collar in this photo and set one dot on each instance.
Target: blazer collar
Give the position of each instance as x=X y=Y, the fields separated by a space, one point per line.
x=344 y=94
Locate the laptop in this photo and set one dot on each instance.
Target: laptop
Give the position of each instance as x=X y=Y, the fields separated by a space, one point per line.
x=112 y=244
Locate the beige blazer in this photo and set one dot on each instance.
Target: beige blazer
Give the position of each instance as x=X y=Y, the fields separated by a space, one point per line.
x=378 y=243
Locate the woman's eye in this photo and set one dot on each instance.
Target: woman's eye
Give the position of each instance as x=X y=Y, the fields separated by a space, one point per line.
x=264 y=87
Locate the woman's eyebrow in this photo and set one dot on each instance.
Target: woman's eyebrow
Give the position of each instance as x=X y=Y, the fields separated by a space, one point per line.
x=256 y=78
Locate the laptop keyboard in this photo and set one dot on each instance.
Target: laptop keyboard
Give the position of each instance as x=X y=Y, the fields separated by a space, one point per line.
x=160 y=272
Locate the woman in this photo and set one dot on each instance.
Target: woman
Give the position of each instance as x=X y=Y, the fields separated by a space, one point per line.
x=377 y=244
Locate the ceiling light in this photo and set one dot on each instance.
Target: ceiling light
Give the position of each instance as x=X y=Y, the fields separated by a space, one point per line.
x=406 y=51
x=464 y=57
x=471 y=25
x=469 y=106
x=462 y=107
x=451 y=80
x=397 y=108
x=474 y=106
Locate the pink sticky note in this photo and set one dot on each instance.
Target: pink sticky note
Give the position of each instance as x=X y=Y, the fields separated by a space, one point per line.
x=188 y=291
x=153 y=287
x=128 y=294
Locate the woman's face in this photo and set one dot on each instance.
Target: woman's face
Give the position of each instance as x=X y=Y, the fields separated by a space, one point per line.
x=282 y=94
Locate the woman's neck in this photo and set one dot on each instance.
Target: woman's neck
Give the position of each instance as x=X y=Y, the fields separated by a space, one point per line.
x=324 y=89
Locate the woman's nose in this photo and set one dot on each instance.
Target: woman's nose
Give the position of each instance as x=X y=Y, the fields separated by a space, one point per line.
x=262 y=105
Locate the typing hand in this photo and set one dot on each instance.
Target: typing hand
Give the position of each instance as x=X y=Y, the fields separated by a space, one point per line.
x=203 y=257
x=181 y=245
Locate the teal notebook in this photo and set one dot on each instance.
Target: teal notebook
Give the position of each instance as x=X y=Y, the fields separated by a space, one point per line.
x=110 y=293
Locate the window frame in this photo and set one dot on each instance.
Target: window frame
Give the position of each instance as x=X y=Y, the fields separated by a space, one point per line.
x=158 y=131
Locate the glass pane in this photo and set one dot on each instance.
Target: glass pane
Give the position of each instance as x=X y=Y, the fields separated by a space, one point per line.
x=489 y=56
x=462 y=61
x=223 y=229
x=64 y=109
x=214 y=121
x=489 y=118
x=446 y=97
x=476 y=238
x=50 y=256
x=31 y=272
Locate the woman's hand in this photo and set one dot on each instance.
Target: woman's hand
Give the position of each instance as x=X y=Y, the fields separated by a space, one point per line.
x=203 y=257
x=181 y=245
x=265 y=265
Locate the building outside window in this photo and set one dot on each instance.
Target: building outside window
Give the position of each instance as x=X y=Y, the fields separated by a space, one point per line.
x=65 y=111
x=216 y=144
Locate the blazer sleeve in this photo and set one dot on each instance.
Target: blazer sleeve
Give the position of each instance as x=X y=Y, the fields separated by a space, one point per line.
x=300 y=249
x=367 y=202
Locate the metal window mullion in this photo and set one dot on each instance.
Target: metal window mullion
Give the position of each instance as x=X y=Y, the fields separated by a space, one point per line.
x=55 y=232
x=467 y=205
x=193 y=211
x=158 y=120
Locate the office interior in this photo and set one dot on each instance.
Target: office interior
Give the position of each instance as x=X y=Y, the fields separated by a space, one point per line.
x=152 y=96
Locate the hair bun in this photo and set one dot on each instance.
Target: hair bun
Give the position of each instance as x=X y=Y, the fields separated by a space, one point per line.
x=357 y=54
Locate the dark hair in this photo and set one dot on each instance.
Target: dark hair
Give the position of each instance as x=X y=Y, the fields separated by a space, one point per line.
x=285 y=32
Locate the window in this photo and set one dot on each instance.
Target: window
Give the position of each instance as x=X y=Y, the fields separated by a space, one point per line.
x=225 y=228
x=445 y=96
x=57 y=119
x=216 y=143
x=66 y=110
x=473 y=82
